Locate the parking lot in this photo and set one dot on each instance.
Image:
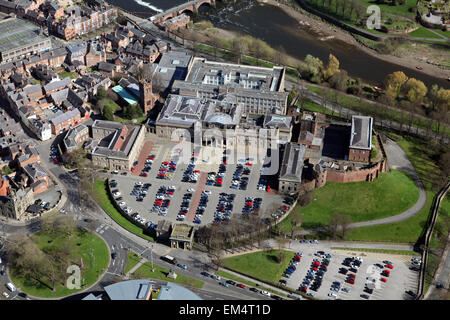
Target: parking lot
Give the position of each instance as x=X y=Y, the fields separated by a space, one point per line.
x=335 y=282
x=168 y=170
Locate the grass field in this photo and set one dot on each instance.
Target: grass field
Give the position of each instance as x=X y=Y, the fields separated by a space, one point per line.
x=132 y=260
x=392 y=193
x=145 y=271
x=399 y=9
x=101 y=196
x=407 y=231
x=260 y=265
x=92 y=250
x=424 y=33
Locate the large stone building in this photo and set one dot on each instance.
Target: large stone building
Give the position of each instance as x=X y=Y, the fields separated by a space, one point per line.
x=360 y=139
x=15 y=204
x=222 y=122
x=118 y=144
x=290 y=178
x=261 y=90
x=19 y=38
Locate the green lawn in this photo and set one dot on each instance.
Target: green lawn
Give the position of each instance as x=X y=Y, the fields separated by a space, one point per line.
x=392 y=193
x=424 y=33
x=421 y=157
x=132 y=260
x=93 y=251
x=399 y=9
x=407 y=231
x=145 y=271
x=66 y=74
x=260 y=265
x=101 y=196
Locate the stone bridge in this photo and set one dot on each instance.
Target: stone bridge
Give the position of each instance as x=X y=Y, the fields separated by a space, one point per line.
x=188 y=7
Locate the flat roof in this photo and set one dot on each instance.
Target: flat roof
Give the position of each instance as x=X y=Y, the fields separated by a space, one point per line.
x=181 y=231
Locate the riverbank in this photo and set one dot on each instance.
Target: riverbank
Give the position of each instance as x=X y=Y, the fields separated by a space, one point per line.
x=326 y=31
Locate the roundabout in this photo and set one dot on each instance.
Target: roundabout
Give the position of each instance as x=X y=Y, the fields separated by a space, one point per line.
x=61 y=260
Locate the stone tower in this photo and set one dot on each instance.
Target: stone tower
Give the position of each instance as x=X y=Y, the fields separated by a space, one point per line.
x=146 y=95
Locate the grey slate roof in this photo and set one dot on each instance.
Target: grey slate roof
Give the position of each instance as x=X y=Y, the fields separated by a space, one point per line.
x=57 y=84
x=361 y=133
x=292 y=165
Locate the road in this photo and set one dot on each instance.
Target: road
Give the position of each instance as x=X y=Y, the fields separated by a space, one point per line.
x=120 y=241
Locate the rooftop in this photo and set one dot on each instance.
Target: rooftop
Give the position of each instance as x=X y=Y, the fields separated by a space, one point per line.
x=361 y=133
x=173 y=291
x=130 y=290
x=17 y=33
x=292 y=165
x=181 y=231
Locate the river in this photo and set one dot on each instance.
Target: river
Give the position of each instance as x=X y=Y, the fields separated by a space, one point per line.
x=278 y=29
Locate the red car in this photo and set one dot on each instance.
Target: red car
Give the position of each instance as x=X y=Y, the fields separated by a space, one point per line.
x=224 y=162
x=165 y=162
x=144 y=174
x=196 y=171
x=285 y=207
x=240 y=285
x=268 y=188
x=351 y=281
x=385 y=273
x=302 y=289
x=383 y=279
x=133 y=169
x=390 y=266
x=351 y=275
x=249 y=164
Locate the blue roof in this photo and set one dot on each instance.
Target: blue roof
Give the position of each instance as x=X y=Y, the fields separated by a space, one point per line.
x=124 y=94
x=173 y=291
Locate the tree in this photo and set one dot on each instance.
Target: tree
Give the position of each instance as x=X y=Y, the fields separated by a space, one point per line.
x=394 y=83
x=345 y=221
x=108 y=113
x=312 y=69
x=332 y=68
x=333 y=223
x=415 y=90
x=339 y=80
x=237 y=47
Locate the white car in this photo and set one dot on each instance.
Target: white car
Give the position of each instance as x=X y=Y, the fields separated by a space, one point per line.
x=139 y=183
x=122 y=203
x=207 y=192
x=5 y=294
x=191 y=190
x=115 y=172
x=263 y=292
x=332 y=295
x=116 y=194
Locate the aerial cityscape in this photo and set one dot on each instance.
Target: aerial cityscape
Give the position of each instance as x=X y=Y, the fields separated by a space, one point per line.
x=224 y=150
